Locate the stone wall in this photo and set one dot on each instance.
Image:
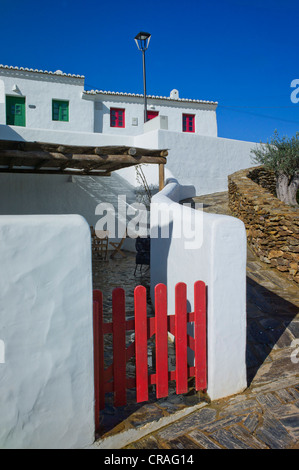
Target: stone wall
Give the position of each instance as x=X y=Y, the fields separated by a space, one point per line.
x=264 y=178
x=272 y=227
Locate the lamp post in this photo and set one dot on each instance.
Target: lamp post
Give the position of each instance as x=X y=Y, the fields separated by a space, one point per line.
x=142 y=41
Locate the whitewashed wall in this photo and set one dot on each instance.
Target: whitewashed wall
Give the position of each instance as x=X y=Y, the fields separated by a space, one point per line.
x=61 y=136
x=46 y=382
x=91 y=112
x=204 y=162
x=219 y=261
x=205 y=114
x=39 y=89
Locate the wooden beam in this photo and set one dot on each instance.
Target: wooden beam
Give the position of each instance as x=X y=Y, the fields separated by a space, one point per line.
x=11 y=164
x=60 y=158
x=161 y=176
x=79 y=149
x=40 y=164
x=133 y=151
x=54 y=172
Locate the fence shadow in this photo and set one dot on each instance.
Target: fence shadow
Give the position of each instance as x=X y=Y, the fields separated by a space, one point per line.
x=268 y=319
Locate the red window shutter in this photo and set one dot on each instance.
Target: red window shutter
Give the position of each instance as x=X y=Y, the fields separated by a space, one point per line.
x=117 y=117
x=188 y=123
x=152 y=114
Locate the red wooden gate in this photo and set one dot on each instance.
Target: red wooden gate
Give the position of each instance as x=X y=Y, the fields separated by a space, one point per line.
x=113 y=379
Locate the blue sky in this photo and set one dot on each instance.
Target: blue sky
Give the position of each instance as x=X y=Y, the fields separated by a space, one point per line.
x=243 y=54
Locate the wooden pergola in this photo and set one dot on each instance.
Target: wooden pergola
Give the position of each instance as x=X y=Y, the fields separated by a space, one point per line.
x=55 y=159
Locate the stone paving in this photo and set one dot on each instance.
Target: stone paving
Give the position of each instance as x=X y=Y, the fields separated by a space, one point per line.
x=266 y=414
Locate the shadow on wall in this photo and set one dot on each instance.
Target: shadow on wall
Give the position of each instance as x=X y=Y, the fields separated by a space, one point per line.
x=167 y=219
x=161 y=245
x=29 y=194
x=7 y=133
x=98 y=116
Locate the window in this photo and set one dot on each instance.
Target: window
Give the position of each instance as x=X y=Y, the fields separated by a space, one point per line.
x=152 y=114
x=117 y=117
x=15 y=111
x=188 y=123
x=60 y=110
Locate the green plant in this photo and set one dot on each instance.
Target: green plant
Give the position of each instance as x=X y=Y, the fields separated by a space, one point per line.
x=281 y=155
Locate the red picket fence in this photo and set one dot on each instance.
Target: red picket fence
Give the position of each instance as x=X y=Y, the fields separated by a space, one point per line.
x=113 y=379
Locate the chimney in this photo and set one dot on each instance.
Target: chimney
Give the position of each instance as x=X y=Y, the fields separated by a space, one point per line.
x=174 y=94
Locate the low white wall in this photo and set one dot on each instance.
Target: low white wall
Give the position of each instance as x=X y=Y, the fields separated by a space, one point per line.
x=159 y=122
x=219 y=261
x=200 y=160
x=205 y=162
x=46 y=382
x=66 y=137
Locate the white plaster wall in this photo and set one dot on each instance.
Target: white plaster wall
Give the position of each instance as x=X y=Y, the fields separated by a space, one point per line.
x=46 y=382
x=39 y=90
x=220 y=262
x=205 y=115
x=91 y=112
x=49 y=194
x=2 y=102
x=204 y=162
x=62 y=136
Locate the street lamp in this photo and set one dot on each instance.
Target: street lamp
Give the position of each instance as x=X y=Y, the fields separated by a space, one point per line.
x=142 y=41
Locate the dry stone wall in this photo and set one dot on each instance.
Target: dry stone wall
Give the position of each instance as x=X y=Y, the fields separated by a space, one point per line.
x=264 y=178
x=272 y=227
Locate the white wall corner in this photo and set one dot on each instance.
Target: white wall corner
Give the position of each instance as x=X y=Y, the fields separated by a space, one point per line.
x=219 y=261
x=159 y=122
x=46 y=382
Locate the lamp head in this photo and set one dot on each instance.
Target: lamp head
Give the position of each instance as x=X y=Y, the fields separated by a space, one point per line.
x=142 y=40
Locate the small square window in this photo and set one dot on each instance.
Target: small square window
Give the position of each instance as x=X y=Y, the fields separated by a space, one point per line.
x=117 y=117
x=60 y=110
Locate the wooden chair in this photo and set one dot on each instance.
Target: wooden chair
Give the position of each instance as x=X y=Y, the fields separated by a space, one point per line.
x=117 y=246
x=143 y=253
x=100 y=241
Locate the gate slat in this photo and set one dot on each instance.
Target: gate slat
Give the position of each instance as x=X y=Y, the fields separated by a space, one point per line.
x=119 y=346
x=98 y=355
x=200 y=335
x=161 y=341
x=114 y=377
x=141 y=344
x=181 y=338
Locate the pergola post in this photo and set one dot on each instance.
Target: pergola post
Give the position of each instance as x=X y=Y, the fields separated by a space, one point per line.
x=161 y=176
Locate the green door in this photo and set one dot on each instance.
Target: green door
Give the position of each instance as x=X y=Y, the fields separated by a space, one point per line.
x=15 y=111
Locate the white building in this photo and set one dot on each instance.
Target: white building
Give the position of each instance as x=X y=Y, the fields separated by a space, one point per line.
x=57 y=101
x=54 y=107
x=45 y=277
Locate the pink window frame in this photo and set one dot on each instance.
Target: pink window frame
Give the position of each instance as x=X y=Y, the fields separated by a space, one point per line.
x=190 y=118
x=117 y=112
